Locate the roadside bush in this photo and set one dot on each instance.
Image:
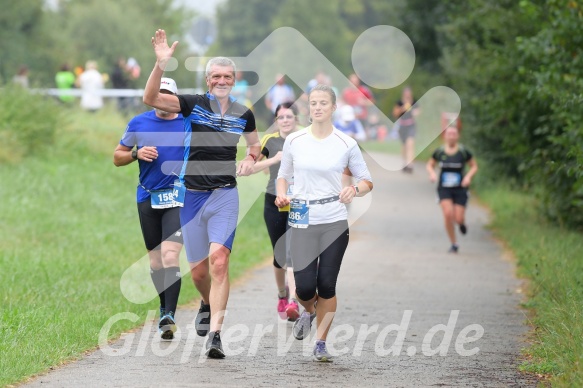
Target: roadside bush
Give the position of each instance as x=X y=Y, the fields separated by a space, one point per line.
x=28 y=123
x=518 y=67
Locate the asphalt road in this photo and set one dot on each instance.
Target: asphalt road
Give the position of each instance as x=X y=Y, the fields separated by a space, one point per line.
x=409 y=314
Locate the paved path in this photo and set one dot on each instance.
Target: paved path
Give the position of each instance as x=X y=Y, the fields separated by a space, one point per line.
x=395 y=270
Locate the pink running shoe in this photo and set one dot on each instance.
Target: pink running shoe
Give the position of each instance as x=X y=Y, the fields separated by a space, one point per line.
x=281 y=306
x=292 y=311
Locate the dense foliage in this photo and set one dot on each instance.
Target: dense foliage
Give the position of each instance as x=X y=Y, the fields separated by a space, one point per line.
x=44 y=38
x=518 y=67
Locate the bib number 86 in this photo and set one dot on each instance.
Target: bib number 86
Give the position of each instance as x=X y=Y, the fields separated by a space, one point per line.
x=296 y=216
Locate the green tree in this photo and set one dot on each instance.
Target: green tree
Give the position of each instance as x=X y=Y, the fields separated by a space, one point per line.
x=243 y=25
x=105 y=30
x=79 y=30
x=518 y=68
x=554 y=80
x=21 y=37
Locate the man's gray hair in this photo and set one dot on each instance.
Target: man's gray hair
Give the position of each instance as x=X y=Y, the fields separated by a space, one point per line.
x=219 y=61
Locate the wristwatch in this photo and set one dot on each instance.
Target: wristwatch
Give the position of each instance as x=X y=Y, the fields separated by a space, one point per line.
x=356 y=189
x=135 y=154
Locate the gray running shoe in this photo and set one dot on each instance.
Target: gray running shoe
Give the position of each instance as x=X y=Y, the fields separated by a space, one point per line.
x=302 y=325
x=320 y=352
x=214 y=346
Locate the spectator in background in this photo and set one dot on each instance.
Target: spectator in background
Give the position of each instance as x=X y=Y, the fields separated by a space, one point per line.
x=279 y=94
x=320 y=78
x=91 y=83
x=405 y=113
x=376 y=130
x=349 y=124
x=21 y=77
x=120 y=80
x=358 y=97
x=65 y=80
x=134 y=69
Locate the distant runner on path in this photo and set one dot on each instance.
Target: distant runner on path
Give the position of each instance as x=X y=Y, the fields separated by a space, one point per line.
x=453 y=183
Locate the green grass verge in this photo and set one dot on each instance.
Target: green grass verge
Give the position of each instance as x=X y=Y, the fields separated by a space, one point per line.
x=69 y=230
x=552 y=259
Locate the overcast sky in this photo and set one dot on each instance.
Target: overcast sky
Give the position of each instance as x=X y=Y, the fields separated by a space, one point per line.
x=203 y=7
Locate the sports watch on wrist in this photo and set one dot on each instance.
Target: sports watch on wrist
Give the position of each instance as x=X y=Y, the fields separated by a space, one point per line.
x=356 y=189
x=135 y=154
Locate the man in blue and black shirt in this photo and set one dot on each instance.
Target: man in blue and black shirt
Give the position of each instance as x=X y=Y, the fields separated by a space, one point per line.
x=214 y=123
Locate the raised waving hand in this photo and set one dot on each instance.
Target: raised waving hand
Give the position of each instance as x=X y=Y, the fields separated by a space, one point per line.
x=161 y=48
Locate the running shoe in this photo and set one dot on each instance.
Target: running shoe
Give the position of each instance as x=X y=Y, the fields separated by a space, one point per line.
x=303 y=325
x=463 y=229
x=281 y=306
x=167 y=326
x=202 y=321
x=292 y=311
x=320 y=352
x=453 y=249
x=214 y=347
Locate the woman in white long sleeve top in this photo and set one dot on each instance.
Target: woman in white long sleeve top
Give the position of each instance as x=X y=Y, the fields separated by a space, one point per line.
x=317 y=157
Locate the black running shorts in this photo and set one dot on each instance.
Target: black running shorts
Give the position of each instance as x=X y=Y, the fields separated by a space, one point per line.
x=159 y=225
x=459 y=195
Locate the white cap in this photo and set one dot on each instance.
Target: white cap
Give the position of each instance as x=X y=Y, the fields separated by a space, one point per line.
x=168 y=84
x=347 y=113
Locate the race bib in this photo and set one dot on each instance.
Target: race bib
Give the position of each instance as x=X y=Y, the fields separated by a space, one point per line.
x=167 y=198
x=299 y=214
x=162 y=199
x=179 y=193
x=451 y=179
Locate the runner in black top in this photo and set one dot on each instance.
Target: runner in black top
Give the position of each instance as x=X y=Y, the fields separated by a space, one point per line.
x=214 y=123
x=286 y=118
x=453 y=184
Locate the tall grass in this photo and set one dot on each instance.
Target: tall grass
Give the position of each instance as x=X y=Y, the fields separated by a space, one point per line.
x=551 y=257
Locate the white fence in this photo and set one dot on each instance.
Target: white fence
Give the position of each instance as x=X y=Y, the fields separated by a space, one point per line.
x=108 y=93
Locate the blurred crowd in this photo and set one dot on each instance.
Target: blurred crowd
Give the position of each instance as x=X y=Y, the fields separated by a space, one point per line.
x=353 y=115
x=356 y=114
x=89 y=79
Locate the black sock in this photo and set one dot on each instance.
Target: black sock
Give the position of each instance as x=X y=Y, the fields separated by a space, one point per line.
x=172 y=282
x=157 y=276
